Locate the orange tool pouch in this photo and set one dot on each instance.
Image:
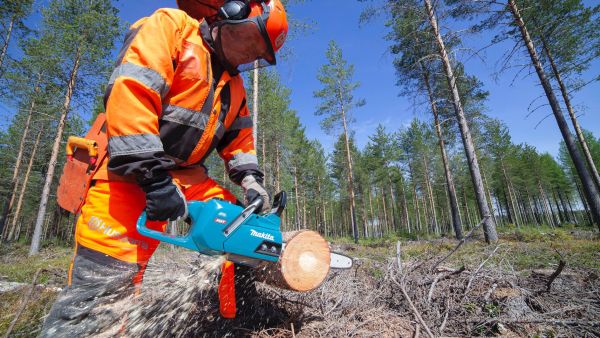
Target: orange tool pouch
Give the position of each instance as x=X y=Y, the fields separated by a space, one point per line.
x=84 y=158
x=227 y=290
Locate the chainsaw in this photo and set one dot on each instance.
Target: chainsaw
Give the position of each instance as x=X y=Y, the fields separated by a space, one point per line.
x=244 y=236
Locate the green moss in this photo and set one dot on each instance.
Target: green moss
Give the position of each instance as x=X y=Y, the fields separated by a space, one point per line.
x=17 y=266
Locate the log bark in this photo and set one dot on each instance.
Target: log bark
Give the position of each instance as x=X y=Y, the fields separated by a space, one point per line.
x=303 y=265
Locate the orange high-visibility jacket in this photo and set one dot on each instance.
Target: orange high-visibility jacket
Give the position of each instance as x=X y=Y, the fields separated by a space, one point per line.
x=169 y=105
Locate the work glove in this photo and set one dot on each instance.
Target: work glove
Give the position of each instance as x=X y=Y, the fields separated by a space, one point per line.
x=164 y=200
x=253 y=190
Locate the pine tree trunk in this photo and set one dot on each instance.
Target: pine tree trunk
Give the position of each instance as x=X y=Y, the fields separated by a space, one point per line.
x=456 y=223
x=393 y=203
x=277 y=169
x=6 y=43
x=404 y=203
x=35 y=241
x=589 y=188
x=255 y=101
x=430 y=197
x=24 y=189
x=384 y=206
x=489 y=228
x=486 y=188
x=565 y=94
x=15 y=178
x=297 y=200
x=350 y=178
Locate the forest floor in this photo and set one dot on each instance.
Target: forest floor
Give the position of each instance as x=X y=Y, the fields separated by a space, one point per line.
x=506 y=290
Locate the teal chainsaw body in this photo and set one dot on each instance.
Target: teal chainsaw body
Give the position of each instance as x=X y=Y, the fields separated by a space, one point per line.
x=219 y=227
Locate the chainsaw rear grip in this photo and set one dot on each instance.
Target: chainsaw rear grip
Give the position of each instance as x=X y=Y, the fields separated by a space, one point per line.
x=185 y=241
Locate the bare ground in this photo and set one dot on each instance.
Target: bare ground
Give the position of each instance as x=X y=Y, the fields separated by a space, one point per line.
x=480 y=290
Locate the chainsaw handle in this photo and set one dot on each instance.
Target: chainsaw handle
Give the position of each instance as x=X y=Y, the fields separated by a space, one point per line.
x=184 y=241
x=74 y=142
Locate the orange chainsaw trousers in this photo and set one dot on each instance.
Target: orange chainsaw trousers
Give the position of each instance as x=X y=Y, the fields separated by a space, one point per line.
x=107 y=223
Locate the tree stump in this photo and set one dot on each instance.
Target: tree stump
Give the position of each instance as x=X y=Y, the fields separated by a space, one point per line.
x=303 y=265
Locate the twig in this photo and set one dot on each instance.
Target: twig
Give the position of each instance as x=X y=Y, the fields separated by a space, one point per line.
x=462 y=241
x=477 y=271
x=559 y=269
x=293 y=332
x=24 y=304
x=417 y=331
x=430 y=293
x=455 y=272
x=413 y=308
x=441 y=329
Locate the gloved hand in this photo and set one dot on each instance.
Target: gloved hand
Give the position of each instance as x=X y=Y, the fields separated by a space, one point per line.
x=164 y=200
x=254 y=189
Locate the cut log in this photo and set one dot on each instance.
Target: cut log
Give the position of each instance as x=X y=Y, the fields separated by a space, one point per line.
x=303 y=265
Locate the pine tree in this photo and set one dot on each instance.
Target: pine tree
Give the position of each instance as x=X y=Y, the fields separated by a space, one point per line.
x=337 y=102
x=81 y=34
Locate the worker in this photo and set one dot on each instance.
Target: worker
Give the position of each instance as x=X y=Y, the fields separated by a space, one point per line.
x=175 y=95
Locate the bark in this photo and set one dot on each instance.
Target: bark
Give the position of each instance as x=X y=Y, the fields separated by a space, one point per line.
x=23 y=190
x=489 y=228
x=589 y=188
x=35 y=241
x=565 y=94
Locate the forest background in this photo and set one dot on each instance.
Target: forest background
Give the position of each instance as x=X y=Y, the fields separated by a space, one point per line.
x=345 y=121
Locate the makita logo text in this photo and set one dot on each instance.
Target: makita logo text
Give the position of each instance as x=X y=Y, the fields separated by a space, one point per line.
x=262 y=235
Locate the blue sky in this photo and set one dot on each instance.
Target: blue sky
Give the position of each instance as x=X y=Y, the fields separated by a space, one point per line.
x=366 y=48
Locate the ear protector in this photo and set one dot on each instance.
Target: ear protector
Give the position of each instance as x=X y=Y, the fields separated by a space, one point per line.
x=236 y=9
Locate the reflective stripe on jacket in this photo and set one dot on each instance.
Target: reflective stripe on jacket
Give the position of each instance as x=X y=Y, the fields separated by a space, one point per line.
x=168 y=106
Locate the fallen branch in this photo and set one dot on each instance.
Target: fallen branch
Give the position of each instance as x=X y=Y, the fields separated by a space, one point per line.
x=413 y=308
x=24 y=304
x=462 y=241
x=559 y=269
x=399 y=257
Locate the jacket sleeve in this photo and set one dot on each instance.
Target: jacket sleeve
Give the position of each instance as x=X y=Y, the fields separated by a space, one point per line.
x=137 y=87
x=237 y=145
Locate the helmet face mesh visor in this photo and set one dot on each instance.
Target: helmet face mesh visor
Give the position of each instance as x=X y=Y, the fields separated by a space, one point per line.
x=245 y=39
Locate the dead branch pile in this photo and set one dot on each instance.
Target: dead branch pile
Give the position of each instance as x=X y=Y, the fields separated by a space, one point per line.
x=378 y=298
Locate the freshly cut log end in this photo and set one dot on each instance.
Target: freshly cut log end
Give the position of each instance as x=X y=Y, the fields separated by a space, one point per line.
x=303 y=265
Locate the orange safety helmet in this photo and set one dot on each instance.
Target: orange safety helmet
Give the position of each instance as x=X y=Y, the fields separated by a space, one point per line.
x=276 y=22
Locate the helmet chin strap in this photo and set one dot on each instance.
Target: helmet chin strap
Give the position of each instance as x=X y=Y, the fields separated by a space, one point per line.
x=231 y=69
